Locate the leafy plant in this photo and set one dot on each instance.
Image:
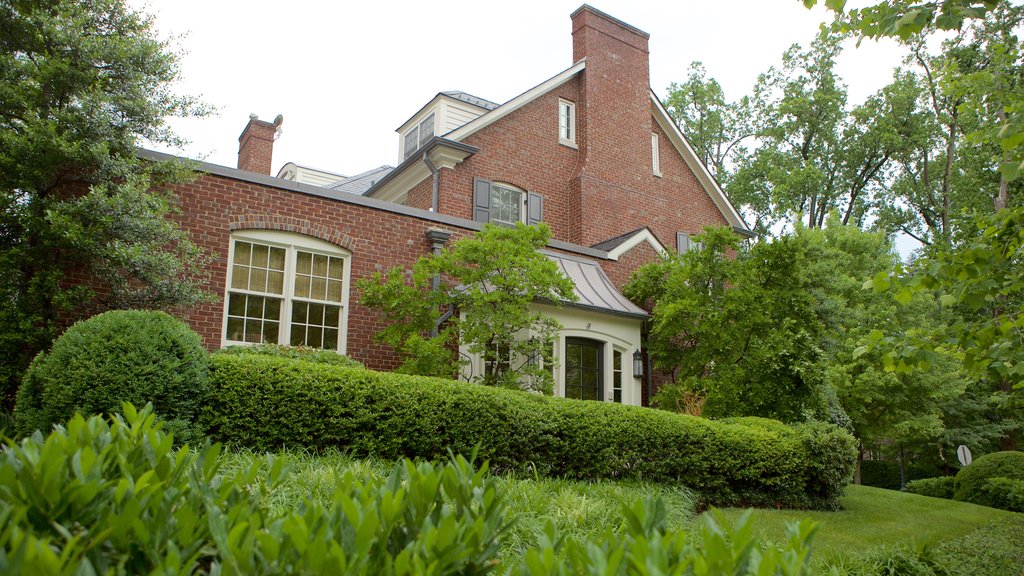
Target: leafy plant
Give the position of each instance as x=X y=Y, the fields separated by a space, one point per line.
x=972 y=481
x=307 y=353
x=941 y=487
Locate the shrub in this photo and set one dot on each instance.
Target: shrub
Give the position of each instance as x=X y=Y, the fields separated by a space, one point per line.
x=307 y=353
x=115 y=357
x=114 y=497
x=971 y=480
x=941 y=487
x=267 y=403
x=1005 y=493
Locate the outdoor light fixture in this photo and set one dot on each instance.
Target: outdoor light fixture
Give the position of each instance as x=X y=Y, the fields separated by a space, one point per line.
x=638 y=364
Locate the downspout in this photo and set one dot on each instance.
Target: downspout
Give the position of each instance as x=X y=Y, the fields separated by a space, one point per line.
x=438 y=238
x=434 y=190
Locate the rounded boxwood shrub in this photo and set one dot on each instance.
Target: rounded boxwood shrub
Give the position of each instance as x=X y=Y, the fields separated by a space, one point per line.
x=266 y=403
x=971 y=480
x=116 y=357
x=941 y=487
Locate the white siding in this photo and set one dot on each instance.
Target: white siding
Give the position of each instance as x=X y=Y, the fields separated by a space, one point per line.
x=458 y=114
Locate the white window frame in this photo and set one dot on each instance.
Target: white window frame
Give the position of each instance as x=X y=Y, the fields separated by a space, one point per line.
x=291 y=243
x=567 y=123
x=418 y=131
x=521 y=202
x=656 y=154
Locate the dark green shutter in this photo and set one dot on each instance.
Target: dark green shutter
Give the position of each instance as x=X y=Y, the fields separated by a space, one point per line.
x=534 y=208
x=481 y=200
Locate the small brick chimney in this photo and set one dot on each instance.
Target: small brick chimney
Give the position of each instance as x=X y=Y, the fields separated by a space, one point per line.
x=614 y=116
x=256 y=144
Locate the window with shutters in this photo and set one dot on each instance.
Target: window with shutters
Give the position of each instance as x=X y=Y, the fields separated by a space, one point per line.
x=567 y=122
x=286 y=289
x=505 y=204
x=684 y=243
x=419 y=135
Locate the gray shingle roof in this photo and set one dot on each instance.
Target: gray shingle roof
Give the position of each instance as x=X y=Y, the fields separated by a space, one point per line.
x=361 y=182
x=613 y=243
x=470 y=99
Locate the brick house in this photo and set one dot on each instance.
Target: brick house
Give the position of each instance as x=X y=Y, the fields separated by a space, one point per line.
x=590 y=151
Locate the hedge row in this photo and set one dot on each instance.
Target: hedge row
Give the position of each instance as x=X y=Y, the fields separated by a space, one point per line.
x=266 y=403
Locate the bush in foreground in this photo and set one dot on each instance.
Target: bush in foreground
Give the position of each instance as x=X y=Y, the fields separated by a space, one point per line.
x=269 y=403
x=307 y=353
x=115 y=497
x=114 y=357
x=971 y=480
x=941 y=487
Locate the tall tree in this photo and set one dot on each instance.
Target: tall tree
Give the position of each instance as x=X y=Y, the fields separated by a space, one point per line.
x=82 y=83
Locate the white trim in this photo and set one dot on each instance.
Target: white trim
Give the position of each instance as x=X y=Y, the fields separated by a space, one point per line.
x=643 y=236
x=290 y=241
x=571 y=118
x=516 y=103
x=656 y=154
x=661 y=116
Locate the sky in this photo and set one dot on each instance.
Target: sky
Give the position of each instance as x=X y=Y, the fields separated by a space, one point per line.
x=346 y=74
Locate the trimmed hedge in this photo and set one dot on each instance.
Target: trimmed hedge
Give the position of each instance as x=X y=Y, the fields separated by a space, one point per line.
x=115 y=357
x=886 y=473
x=266 y=403
x=307 y=353
x=1005 y=493
x=971 y=480
x=941 y=487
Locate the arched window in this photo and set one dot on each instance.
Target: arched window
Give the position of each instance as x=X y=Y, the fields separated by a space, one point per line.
x=286 y=289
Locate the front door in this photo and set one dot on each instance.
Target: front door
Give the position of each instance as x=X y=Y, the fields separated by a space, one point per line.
x=583 y=369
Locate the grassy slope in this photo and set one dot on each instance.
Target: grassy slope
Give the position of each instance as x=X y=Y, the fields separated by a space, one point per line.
x=872 y=517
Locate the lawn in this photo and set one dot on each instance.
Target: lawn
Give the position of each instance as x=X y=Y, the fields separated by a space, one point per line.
x=875 y=528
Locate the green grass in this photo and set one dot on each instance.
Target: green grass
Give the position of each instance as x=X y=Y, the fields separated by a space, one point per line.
x=878 y=531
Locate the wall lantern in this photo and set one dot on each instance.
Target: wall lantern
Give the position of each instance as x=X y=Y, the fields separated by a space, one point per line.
x=638 y=364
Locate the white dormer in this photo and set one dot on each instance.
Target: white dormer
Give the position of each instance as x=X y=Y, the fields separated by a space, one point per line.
x=445 y=112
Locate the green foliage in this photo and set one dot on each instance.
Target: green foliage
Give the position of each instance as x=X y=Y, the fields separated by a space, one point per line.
x=941 y=487
x=490 y=281
x=886 y=473
x=307 y=353
x=740 y=332
x=267 y=403
x=971 y=481
x=112 y=358
x=1005 y=493
x=82 y=85
x=991 y=549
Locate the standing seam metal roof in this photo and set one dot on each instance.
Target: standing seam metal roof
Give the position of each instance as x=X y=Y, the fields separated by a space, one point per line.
x=592 y=286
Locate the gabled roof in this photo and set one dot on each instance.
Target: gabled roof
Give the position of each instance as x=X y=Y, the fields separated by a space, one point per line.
x=470 y=99
x=362 y=182
x=516 y=103
x=594 y=290
x=682 y=145
x=619 y=245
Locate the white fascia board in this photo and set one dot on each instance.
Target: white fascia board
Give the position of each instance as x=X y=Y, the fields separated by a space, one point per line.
x=516 y=103
x=643 y=236
x=705 y=178
x=397 y=190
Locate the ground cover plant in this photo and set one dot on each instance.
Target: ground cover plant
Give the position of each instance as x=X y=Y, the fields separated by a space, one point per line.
x=114 y=496
x=268 y=403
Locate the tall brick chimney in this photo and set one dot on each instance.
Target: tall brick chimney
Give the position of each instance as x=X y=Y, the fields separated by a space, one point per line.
x=614 y=118
x=256 y=144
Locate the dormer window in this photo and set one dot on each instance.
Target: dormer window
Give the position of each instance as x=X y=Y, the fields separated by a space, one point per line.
x=419 y=135
x=567 y=122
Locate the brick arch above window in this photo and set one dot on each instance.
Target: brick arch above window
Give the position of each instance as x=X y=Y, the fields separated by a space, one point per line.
x=293 y=225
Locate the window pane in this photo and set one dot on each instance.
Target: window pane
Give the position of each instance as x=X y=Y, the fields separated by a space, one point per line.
x=330 y=339
x=277 y=259
x=426 y=129
x=506 y=204
x=315 y=336
x=254 y=307
x=236 y=305
x=236 y=327
x=272 y=309
x=318 y=290
x=260 y=255
x=275 y=282
x=337 y=270
x=240 y=277
x=617 y=360
x=590 y=354
x=316 y=314
x=270 y=332
x=302 y=286
x=319 y=265
x=618 y=395
x=243 y=250
x=253 y=332
x=332 y=316
x=299 y=310
x=411 y=141
x=303 y=263
x=334 y=290
x=258 y=279
x=298 y=337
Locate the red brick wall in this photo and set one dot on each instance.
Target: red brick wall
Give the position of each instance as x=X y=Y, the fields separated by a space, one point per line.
x=619 y=271
x=421 y=195
x=213 y=206
x=256 y=146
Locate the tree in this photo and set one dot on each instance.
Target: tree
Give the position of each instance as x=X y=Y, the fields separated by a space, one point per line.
x=81 y=85
x=739 y=332
x=487 y=284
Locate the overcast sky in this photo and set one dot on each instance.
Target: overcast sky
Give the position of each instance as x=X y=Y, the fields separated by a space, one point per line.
x=346 y=74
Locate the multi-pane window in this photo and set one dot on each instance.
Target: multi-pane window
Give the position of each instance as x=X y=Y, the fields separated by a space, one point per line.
x=506 y=204
x=419 y=135
x=617 y=376
x=286 y=294
x=567 y=122
x=583 y=374
x=655 y=154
